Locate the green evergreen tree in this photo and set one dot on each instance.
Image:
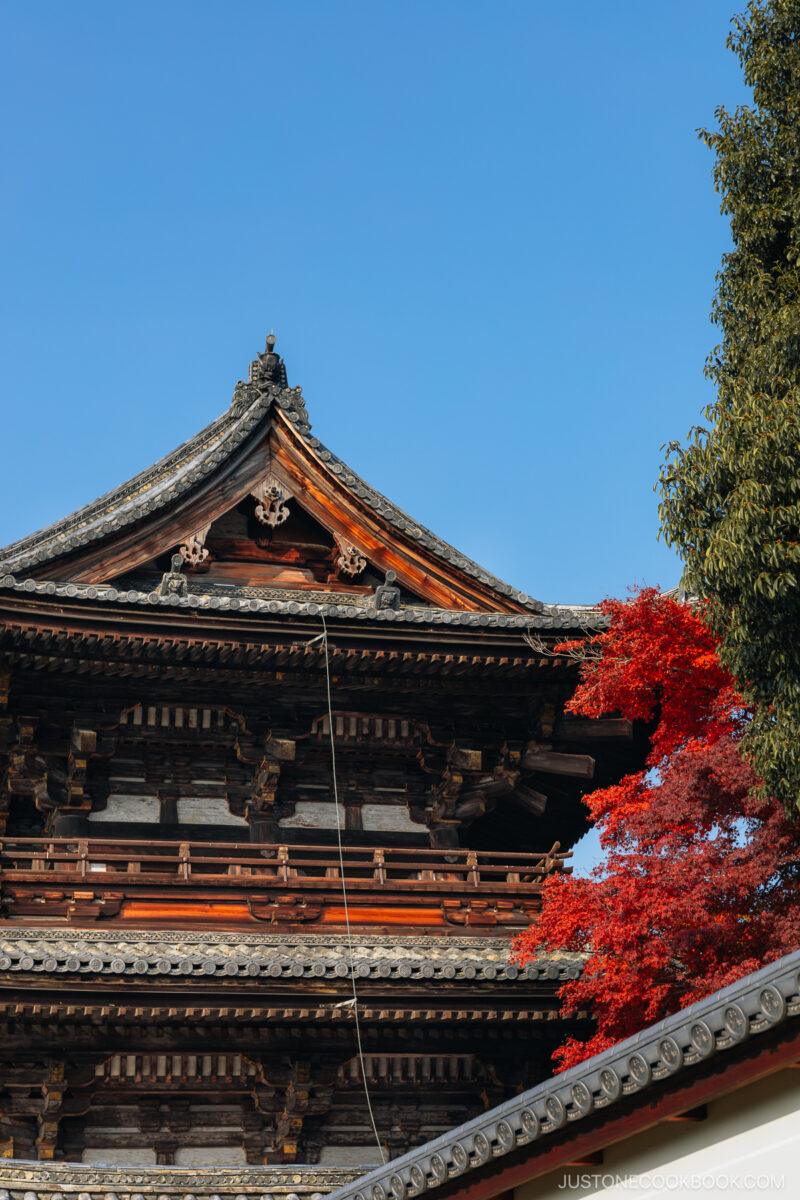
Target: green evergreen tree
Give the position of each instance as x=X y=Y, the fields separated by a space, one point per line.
x=730 y=498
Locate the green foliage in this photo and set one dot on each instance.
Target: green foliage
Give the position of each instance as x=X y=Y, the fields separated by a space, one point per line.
x=731 y=496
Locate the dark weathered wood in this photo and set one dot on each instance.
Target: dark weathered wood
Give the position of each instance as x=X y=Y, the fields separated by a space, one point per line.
x=529 y=799
x=582 y=729
x=552 y=763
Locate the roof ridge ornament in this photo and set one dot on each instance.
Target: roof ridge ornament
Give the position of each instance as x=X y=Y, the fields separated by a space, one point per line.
x=387 y=594
x=173 y=581
x=267 y=381
x=268 y=367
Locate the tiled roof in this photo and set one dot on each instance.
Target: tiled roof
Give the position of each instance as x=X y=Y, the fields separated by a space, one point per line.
x=239 y=600
x=714 y=1026
x=147 y=492
x=322 y=957
x=191 y=462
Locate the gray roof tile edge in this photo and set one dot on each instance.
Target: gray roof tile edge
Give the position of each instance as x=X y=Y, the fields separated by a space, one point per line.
x=17 y=1176
x=422 y=942
x=182 y=956
x=190 y=462
x=557 y=619
x=146 y=492
x=741 y=1011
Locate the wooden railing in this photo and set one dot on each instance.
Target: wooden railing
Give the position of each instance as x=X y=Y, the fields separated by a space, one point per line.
x=134 y=863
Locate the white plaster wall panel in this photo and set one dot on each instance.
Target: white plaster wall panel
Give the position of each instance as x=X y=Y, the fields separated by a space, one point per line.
x=349 y=1156
x=139 y=1157
x=207 y=810
x=209 y=1156
x=314 y=814
x=389 y=817
x=128 y=809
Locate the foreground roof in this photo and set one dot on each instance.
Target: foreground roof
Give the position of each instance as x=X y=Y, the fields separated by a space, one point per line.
x=760 y=1013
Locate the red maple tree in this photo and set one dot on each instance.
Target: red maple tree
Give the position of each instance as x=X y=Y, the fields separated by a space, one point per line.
x=699 y=885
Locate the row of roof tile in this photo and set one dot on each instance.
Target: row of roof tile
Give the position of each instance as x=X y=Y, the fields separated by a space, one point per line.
x=395 y=959
x=558 y=618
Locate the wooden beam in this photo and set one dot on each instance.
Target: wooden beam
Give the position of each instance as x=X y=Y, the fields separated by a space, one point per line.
x=692 y=1114
x=580 y=766
x=583 y=729
x=587 y=1160
x=529 y=799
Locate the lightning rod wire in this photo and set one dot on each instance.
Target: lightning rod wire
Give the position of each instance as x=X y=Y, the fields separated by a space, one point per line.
x=383 y=1154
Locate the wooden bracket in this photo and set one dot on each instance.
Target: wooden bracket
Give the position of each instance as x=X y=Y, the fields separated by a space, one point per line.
x=542 y=758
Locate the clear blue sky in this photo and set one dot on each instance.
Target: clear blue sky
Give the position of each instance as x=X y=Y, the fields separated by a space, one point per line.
x=485 y=236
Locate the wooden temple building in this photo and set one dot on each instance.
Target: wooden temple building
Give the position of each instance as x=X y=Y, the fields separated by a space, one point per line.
x=176 y=975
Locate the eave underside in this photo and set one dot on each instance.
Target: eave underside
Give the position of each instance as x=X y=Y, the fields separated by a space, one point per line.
x=77 y=663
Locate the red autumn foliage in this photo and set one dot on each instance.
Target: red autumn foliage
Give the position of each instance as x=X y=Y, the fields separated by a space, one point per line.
x=699 y=885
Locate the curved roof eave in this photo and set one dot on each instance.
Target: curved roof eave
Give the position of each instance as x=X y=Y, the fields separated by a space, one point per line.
x=190 y=463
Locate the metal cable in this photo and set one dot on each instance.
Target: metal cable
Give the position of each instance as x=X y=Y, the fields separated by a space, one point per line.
x=383 y=1154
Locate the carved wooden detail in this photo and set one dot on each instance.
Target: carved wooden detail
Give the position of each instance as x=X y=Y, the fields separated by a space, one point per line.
x=351 y=561
x=193 y=550
x=296 y=1102
x=50 y=1112
x=34 y=1098
x=462 y=765
x=83 y=744
x=262 y=791
x=272 y=498
x=485 y=791
x=286 y=1095
x=27 y=772
x=54 y=781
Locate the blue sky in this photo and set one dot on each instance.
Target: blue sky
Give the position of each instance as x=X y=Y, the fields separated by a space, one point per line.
x=485 y=236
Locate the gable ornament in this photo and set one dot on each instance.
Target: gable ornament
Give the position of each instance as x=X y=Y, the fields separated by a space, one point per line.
x=271 y=499
x=193 y=550
x=351 y=560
